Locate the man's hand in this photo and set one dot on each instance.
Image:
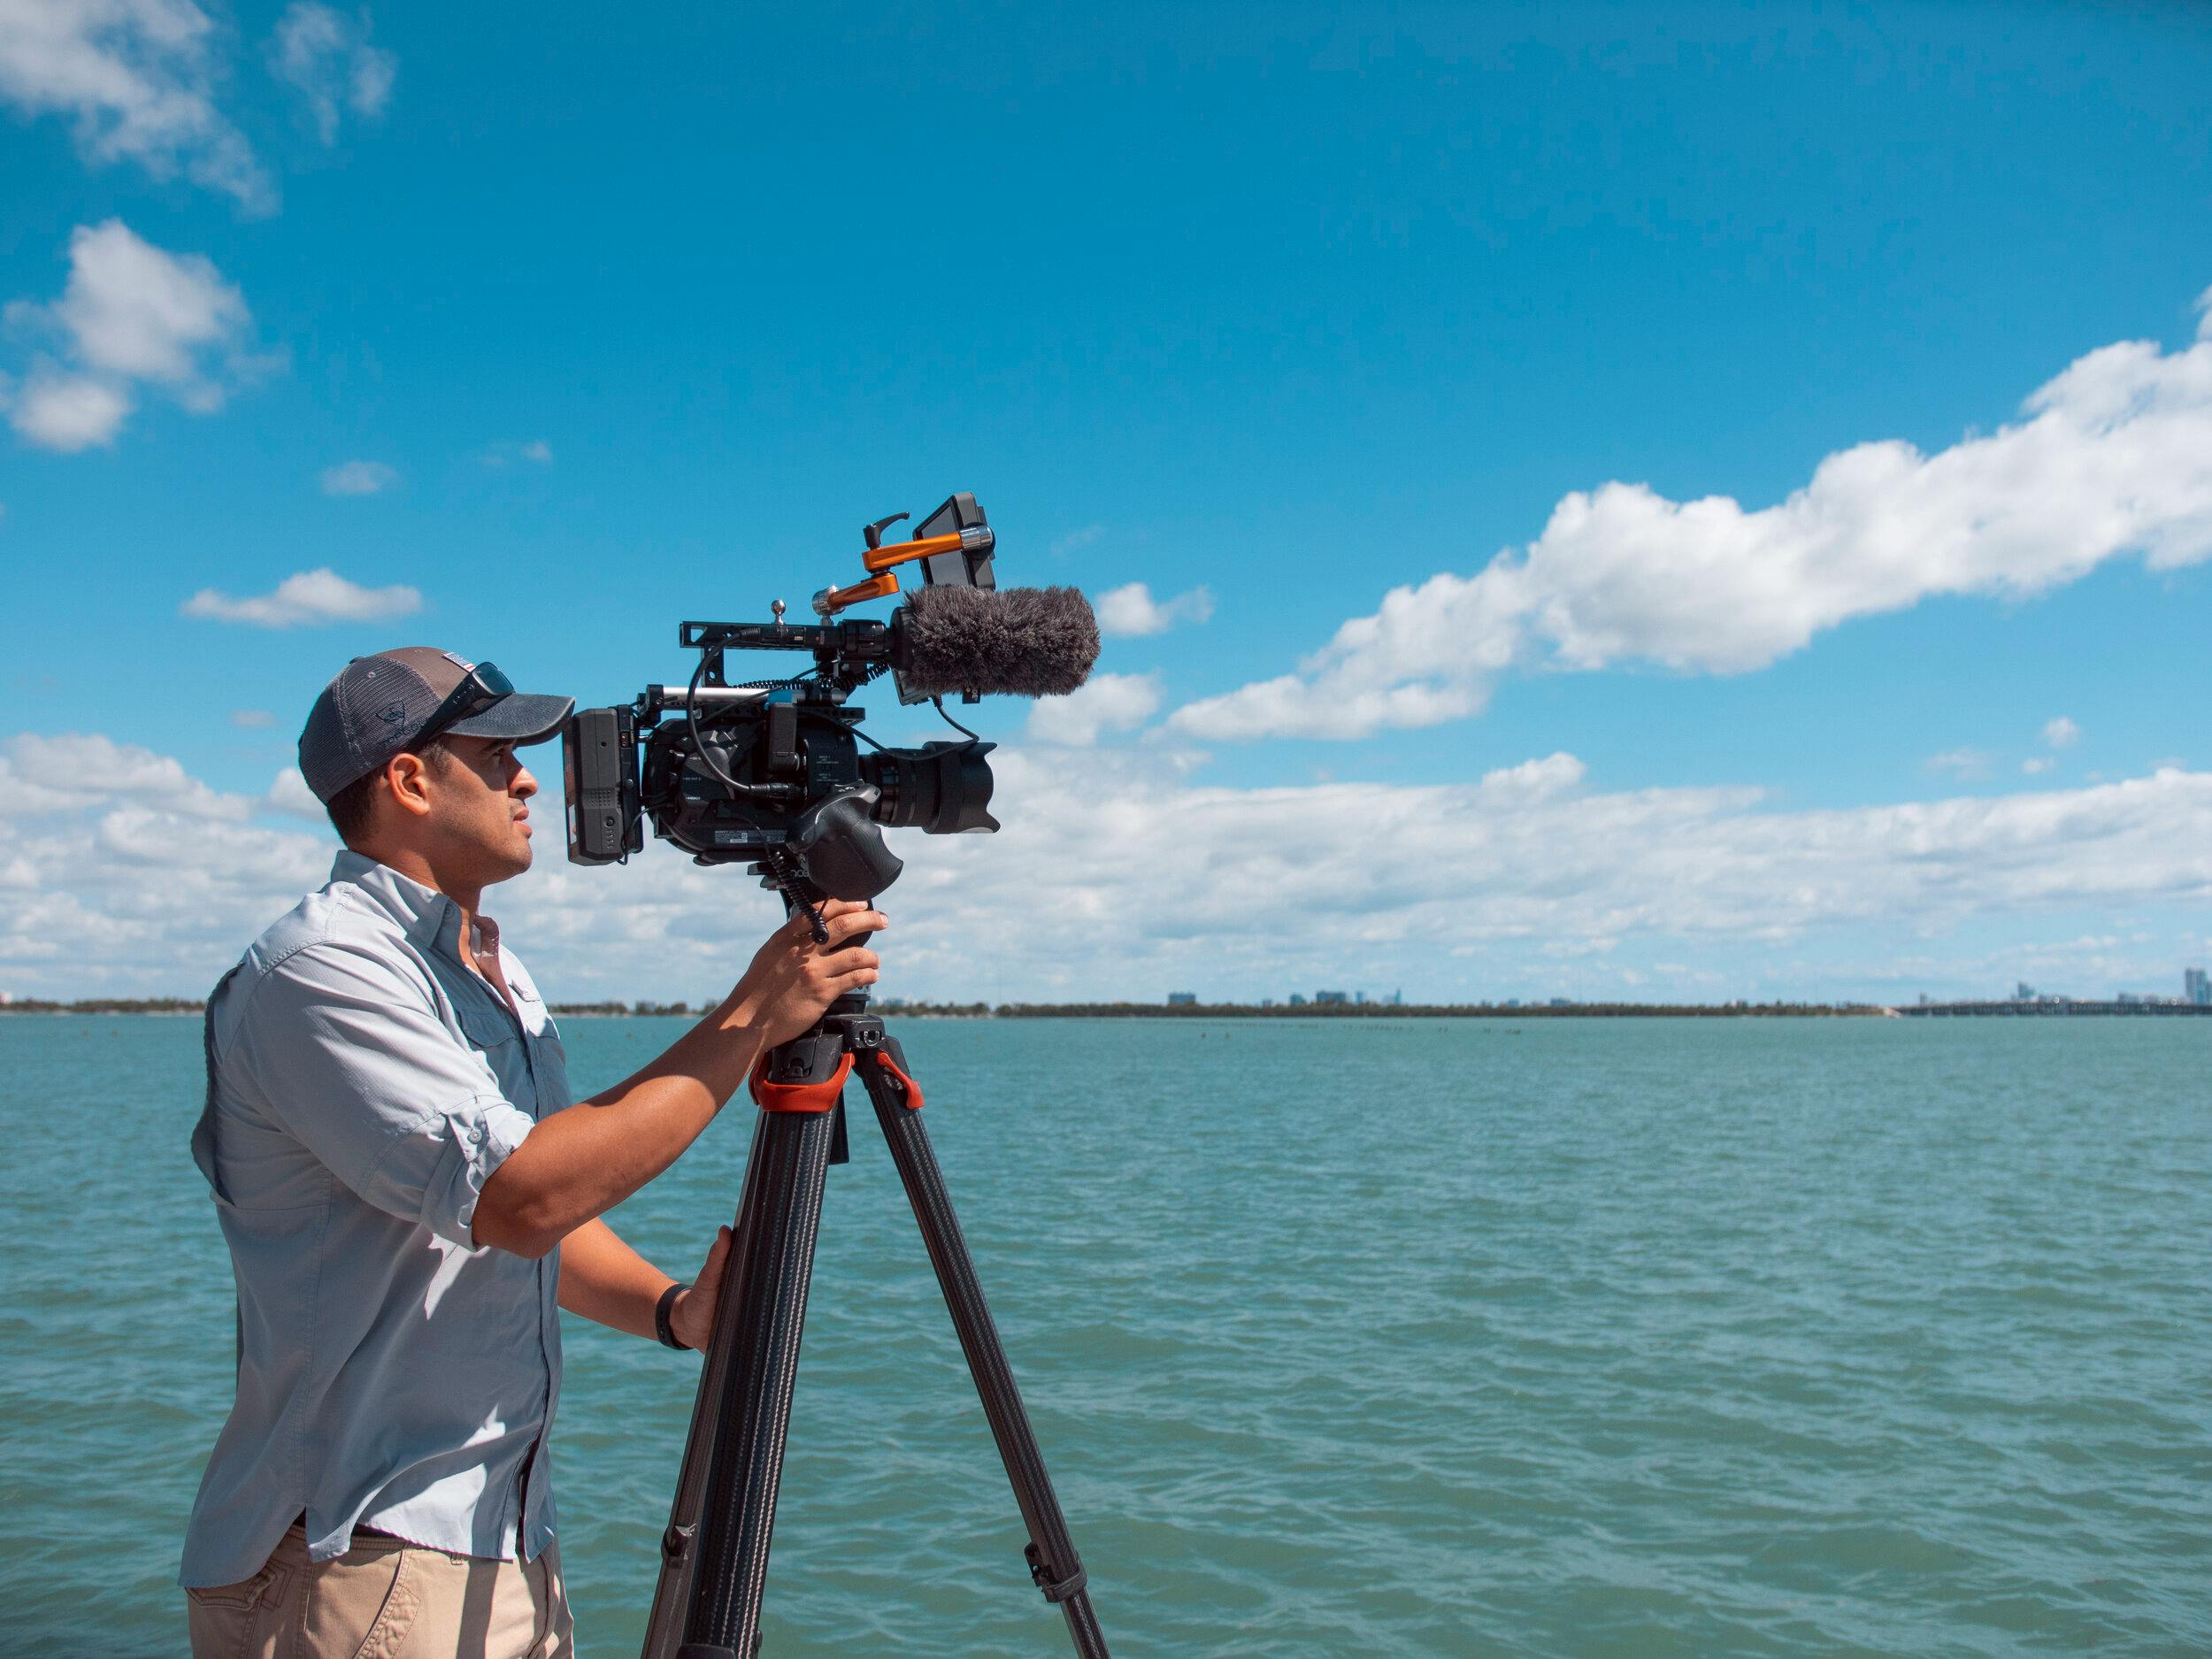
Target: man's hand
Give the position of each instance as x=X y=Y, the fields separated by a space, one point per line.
x=692 y=1319
x=793 y=979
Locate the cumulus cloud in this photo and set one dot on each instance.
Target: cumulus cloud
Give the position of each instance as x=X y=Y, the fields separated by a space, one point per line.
x=291 y=796
x=2112 y=457
x=307 y=599
x=326 y=58
x=68 y=412
x=155 y=881
x=536 y=451
x=46 y=774
x=358 y=477
x=1105 y=702
x=137 y=80
x=131 y=314
x=1130 y=610
x=252 y=719
x=2060 y=732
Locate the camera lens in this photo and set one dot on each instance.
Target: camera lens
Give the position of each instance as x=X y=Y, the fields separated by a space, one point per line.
x=940 y=788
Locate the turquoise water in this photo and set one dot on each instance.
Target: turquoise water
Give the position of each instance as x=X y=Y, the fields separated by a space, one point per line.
x=1590 y=1337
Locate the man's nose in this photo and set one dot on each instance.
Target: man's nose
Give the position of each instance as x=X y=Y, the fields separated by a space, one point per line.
x=523 y=786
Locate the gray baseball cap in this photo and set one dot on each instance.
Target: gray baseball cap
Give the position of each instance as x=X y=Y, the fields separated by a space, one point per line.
x=382 y=704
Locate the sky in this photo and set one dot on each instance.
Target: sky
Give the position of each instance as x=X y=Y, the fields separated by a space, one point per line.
x=1648 y=503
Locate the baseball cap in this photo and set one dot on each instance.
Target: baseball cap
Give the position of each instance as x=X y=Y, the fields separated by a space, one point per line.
x=378 y=706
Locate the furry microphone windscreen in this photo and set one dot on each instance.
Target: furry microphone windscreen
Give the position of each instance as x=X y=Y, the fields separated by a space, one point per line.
x=1022 y=641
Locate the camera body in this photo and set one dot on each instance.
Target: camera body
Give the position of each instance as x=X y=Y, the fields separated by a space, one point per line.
x=770 y=772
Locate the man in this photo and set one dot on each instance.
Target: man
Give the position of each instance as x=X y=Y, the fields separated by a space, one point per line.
x=408 y=1191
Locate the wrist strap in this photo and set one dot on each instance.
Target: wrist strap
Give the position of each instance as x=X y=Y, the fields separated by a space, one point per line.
x=662 y=1308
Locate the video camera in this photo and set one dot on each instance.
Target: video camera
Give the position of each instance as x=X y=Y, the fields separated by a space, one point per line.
x=769 y=772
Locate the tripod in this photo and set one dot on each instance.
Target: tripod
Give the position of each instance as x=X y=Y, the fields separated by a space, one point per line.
x=714 y=1555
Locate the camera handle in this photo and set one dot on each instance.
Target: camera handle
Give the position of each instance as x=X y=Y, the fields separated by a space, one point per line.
x=714 y=1553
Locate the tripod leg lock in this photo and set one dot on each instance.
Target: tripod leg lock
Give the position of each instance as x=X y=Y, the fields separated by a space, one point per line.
x=1061 y=1589
x=906 y=1088
x=815 y=1095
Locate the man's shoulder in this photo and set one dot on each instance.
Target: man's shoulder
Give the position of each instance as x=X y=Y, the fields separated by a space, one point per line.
x=334 y=916
x=336 y=924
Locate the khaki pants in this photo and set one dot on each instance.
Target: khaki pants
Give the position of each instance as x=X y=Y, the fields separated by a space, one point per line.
x=384 y=1599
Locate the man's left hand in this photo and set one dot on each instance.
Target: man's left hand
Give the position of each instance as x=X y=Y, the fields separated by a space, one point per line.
x=692 y=1319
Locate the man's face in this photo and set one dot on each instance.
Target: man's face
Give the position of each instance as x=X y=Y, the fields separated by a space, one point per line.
x=480 y=807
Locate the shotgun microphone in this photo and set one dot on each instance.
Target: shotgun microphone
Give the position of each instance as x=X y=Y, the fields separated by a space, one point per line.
x=1016 y=641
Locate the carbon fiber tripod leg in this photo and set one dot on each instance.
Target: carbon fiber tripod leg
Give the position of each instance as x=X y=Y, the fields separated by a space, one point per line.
x=1053 y=1563
x=765 y=1306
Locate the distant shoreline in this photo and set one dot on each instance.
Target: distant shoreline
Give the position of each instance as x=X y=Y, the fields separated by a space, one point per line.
x=179 y=1006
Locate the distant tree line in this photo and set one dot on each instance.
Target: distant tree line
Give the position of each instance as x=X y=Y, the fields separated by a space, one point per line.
x=624 y=1010
x=106 y=1005
x=1096 y=1011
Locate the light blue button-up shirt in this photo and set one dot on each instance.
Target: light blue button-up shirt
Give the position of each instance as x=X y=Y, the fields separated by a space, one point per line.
x=363 y=1082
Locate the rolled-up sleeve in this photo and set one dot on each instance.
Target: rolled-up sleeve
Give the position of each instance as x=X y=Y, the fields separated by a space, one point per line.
x=348 y=1051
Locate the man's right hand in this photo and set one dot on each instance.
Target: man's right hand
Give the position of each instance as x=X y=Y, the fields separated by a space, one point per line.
x=792 y=980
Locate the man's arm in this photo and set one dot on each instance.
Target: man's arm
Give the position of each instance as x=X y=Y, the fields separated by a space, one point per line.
x=605 y=1279
x=583 y=1161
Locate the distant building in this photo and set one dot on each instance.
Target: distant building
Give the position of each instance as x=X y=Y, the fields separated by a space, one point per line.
x=1923 y=999
x=2196 y=987
x=1330 y=999
x=1182 y=999
x=1360 y=997
x=1267 y=1001
x=1512 y=1002
x=2024 y=992
x=1563 y=1001
x=1297 y=998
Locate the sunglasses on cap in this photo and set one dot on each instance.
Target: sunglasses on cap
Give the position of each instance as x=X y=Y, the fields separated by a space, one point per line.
x=483 y=686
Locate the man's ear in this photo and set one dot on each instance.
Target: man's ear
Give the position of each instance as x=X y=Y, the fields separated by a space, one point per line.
x=408 y=777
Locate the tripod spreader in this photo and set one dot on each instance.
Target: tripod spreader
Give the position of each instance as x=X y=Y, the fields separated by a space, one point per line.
x=715 y=1552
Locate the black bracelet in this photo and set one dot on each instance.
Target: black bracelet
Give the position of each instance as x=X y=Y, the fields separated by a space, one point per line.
x=662 y=1308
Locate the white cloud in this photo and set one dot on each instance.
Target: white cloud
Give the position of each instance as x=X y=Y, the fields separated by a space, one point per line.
x=310 y=598
x=358 y=477
x=138 y=78
x=2112 y=457
x=252 y=719
x=291 y=796
x=68 y=412
x=1105 y=702
x=46 y=774
x=537 y=451
x=131 y=313
x=1078 y=538
x=328 y=59
x=1960 y=763
x=156 y=882
x=2060 y=732
x=1130 y=610
x=2037 y=764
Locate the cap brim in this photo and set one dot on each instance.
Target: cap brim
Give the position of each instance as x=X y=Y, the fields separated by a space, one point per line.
x=520 y=718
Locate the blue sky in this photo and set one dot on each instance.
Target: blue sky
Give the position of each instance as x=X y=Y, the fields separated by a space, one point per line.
x=629 y=323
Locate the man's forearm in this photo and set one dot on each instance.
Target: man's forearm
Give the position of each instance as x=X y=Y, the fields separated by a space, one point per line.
x=605 y=1280
x=583 y=1160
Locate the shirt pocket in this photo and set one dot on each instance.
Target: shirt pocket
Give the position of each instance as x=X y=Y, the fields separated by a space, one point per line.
x=492 y=1032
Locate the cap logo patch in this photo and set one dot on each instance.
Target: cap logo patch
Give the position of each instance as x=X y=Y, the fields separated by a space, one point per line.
x=392 y=714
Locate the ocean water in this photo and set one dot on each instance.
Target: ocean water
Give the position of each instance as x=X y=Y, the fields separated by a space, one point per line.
x=1571 y=1338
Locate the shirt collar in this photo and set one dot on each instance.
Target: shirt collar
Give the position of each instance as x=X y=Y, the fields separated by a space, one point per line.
x=422 y=912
